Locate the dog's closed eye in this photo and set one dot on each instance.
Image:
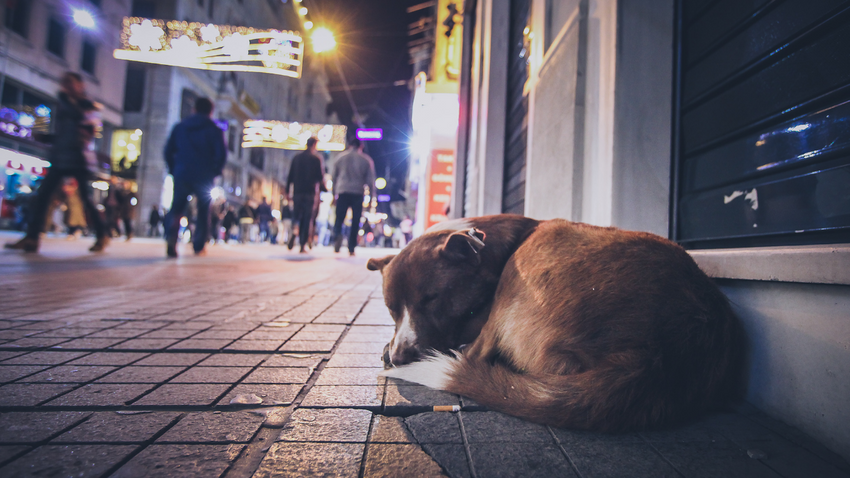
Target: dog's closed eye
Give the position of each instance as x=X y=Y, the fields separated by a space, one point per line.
x=429 y=298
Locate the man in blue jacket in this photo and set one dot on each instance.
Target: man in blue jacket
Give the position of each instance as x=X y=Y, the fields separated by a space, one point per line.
x=195 y=155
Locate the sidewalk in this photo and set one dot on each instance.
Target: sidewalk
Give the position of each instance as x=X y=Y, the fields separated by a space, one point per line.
x=253 y=361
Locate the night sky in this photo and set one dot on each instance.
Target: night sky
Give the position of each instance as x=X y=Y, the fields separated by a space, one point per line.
x=371 y=40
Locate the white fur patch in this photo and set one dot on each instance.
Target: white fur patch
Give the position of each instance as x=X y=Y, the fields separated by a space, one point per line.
x=405 y=336
x=433 y=371
x=450 y=225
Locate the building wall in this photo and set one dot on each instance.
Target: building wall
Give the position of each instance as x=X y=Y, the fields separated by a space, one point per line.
x=796 y=318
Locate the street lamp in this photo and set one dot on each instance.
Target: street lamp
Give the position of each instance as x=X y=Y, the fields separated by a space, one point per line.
x=323 y=40
x=83 y=18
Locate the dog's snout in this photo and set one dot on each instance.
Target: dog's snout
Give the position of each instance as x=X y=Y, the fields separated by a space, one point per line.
x=386 y=357
x=404 y=355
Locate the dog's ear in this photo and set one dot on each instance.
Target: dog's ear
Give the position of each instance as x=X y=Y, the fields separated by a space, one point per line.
x=464 y=245
x=378 y=264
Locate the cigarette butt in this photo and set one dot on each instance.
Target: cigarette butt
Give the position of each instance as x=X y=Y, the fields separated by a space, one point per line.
x=446 y=408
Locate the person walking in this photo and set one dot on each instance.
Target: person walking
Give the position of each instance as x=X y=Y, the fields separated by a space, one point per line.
x=246 y=220
x=228 y=222
x=195 y=155
x=74 y=130
x=352 y=171
x=305 y=176
x=153 y=221
x=264 y=216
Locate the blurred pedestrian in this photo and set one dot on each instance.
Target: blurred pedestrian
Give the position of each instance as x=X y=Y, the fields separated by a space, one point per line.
x=264 y=216
x=227 y=222
x=246 y=220
x=286 y=222
x=74 y=130
x=195 y=155
x=305 y=179
x=153 y=221
x=215 y=221
x=353 y=171
x=76 y=215
x=274 y=230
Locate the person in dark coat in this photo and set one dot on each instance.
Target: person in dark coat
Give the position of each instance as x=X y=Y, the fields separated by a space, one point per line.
x=195 y=154
x=153 y=220
x=264 y=216
x=305 y=176
x=74 y=130
x=228 y=222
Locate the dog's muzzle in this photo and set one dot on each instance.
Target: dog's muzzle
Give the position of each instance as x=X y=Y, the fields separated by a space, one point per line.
x=400 y=356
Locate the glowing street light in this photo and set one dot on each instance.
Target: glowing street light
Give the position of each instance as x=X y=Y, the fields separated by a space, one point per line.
x=308 y=25
x=83 y=18
x=380 y=183
x=302 y=11
x=323 y=40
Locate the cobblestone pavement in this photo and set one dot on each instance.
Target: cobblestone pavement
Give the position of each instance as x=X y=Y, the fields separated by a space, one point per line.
x=253 y=361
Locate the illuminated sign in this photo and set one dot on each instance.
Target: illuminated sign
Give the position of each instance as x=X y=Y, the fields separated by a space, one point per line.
x=285 y=135
x=126 y=148
x=440 y=176
x=211 y=47
x=369 y=134
x=22 y=163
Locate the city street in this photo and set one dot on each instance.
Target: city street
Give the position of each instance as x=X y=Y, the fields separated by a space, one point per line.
x=255 y=361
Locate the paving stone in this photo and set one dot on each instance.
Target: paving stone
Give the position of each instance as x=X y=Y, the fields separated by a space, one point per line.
x=268 y=333
x=44 y=358
x=228 y=335
x=452 y=458
x=89 y=343
x=67 y=460
x=356 y=360
x=168 y=334
x=495 y=427
x=118 y=333
x=31 y=394
x=101 y=395
x=271 y=394
x=294 y=360
x=113 y=427
x=199 y=374
x=108 y=358
x=534 y=459
x=7 y=452
x=394 y=460
x=36 y=342
x=375 y=348
x=279 y=375
x=370 y=333
x=327 y=425
x=327 y=336
x=8 y=355
x=233 y=360
x=350 y=376
x=343 y=396
x=32 y=427
x=13 y=334
x=201 y=344
x=568 y=438
x=185 y=461
x=255 y=345
x=323 y=328
x=204 y=427
x=145 y=344
x=389 y=430
x=308 y=346
x=435 y=427
x=311 y=459
x=603 y=458
x=166 y=359
x=10 y=373
x=183 y=394
x=69 y=373
x=407 y=395
x=696 y=459
x=134 y=374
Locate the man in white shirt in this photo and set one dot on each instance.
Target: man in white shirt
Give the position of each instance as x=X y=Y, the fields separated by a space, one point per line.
x=352 y=171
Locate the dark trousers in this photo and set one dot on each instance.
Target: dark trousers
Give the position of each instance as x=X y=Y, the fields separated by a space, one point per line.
x=343 y=202
x=302 y=214
x=48 y=187
x=200 y=188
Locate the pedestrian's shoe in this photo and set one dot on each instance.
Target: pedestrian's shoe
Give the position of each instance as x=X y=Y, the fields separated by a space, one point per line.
x=171 y=249
x=129 y=236
x=201 y=253
x=100 y=244
x=291 y=242
x=351 y=253
x=27 y=244
x=337 y=243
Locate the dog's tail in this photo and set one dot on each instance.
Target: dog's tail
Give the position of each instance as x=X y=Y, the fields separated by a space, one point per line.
x=598 y=399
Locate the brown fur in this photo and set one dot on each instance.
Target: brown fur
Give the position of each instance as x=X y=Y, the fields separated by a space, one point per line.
x=569 y=325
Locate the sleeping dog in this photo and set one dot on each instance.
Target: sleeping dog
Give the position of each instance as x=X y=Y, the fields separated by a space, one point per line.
x=561 y=323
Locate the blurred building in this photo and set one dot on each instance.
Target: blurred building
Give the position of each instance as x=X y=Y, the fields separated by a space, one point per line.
x=720 y=125
x=39 y=41
x=157 y=97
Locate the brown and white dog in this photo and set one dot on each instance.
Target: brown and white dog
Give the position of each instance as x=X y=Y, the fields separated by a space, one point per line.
x=561 y=323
